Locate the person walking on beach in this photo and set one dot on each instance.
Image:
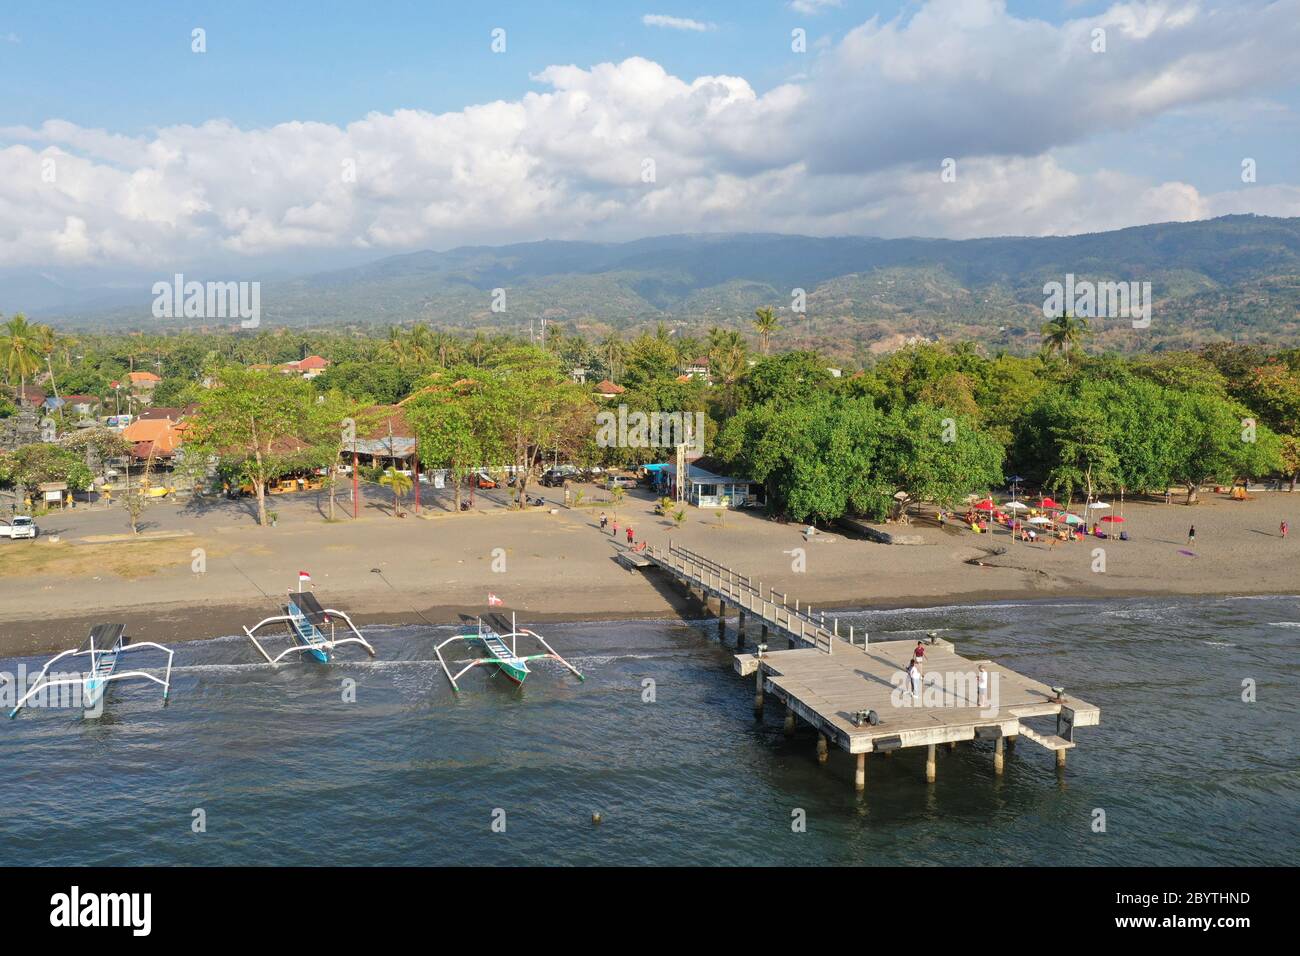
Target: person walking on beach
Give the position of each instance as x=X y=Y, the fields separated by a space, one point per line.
x=603 y=521
x=616 y=527
x=629 y=536
x=1191 y=535
x=1285 y=528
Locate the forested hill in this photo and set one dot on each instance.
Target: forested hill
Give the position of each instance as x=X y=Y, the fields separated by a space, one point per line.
x=1236 y=277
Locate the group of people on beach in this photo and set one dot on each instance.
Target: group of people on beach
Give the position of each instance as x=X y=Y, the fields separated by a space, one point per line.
x=604 y=522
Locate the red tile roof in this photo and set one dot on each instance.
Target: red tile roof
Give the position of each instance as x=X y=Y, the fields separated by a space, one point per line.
x=608 y=388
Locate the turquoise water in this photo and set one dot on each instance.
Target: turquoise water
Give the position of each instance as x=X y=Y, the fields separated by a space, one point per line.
x=287 y=772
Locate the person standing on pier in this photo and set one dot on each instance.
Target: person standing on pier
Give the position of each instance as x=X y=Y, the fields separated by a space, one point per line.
x=914 y=679
x=918 y=655
x=983 y=685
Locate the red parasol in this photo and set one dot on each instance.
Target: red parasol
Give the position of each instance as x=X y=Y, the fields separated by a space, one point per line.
x=985 y=505
x=1116 y=518
x=1048 y=503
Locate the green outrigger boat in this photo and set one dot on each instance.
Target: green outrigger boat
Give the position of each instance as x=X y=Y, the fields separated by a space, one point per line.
x=500 y=638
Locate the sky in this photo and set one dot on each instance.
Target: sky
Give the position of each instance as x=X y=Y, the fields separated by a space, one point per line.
x=296 y=134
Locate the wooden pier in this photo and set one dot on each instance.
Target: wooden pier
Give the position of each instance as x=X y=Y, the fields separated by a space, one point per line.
x=854 y=692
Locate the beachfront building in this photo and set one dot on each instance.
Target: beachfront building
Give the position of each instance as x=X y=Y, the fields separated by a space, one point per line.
x=158 y=439
x=705 y=488
x=81 y=406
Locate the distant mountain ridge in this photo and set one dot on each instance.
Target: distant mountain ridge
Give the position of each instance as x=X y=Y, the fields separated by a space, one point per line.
x=1237 y=276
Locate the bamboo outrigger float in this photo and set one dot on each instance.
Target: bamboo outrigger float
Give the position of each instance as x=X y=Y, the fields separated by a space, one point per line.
x=104 y=646
x=306 y=620
x=501 y=639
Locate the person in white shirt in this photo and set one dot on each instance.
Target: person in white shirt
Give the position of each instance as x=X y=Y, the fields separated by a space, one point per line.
x=983 y=684
x=914 y=677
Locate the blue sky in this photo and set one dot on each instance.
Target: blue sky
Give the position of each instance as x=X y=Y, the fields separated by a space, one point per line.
x=841 y=139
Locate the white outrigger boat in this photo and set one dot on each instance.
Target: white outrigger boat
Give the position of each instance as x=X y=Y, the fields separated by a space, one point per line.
x=501 y=639
x=105 y=647
x=306 y=620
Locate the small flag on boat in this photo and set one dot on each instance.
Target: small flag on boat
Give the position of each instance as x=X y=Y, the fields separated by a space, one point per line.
x=303 y=576
x=494 y=601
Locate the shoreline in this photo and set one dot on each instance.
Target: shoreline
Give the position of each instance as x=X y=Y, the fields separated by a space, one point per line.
x=182 y=623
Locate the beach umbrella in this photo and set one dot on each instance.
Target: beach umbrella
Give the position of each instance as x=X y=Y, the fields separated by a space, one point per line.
x=1115 y=518
x=1016 y=506
x=1048 y=503
x=1095 y=506
x=1040 y=520
x=985 y=505
x=1072 y=519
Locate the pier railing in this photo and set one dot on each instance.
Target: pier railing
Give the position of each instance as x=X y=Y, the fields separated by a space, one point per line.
x=769 y=605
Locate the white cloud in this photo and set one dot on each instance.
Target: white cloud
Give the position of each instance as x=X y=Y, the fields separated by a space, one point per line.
x=675 y=23
x=853 y=146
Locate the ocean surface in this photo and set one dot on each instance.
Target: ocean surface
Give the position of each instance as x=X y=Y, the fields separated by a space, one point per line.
x=285 y=771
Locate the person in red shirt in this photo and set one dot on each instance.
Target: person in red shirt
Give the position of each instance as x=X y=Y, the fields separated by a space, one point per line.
x=629 y=534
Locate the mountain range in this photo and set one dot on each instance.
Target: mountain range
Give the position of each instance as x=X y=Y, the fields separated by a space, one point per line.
x=1236 y=277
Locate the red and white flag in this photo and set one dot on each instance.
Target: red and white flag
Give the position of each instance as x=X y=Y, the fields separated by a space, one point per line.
x=494 y=601
x=303 y=577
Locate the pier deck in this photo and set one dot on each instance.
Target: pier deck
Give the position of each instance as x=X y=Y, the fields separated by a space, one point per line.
x=853 y=692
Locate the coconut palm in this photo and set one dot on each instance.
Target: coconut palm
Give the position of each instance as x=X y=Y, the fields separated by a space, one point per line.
x=613 y=350
x=47 y=343
x=19 y=350
x=1064 y=334
x=400 y=484
x=766 y=325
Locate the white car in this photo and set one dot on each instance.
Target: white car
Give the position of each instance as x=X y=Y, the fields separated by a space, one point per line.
x=19 y=526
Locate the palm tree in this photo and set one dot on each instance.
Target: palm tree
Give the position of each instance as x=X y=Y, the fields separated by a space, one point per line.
x=613 y=351
x=395 y=346
x=766 y=325
x=47 y=344
x=478 y=347
x=400 y=484
x=1064 y=334
x=18 y=350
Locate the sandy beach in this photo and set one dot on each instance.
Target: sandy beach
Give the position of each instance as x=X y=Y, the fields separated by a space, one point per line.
x=200 y=571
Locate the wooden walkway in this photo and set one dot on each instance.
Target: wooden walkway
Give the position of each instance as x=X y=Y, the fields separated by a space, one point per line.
x=854 y=692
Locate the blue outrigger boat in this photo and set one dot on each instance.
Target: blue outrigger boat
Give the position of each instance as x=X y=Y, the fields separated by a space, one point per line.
x=104 y=646
x=501 y=640
x=307 y=622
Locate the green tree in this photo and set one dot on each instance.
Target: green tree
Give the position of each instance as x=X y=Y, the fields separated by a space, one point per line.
x=19 y=349
x=399 y=483
x=1064 y=335
x=258 y=422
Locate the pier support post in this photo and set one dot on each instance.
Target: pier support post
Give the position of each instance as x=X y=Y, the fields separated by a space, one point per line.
x=758 y=692
x=789 y=721
x=763 y=633
x=952 y=745
x=929 y=764
x=1060 y=760
x=823 y=751
x=860 y=774
x=997 y=756
x=1011 y=741
x=722 y=618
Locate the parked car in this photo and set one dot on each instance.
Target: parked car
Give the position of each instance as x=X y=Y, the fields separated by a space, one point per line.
x=620 y=481
x=483 y=480
x=19 y=526
x=558 y=476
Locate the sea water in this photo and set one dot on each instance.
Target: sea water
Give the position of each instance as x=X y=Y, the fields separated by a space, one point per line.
x=378 y=762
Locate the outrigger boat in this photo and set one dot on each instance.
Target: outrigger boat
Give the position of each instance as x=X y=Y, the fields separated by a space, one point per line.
x=501 y=639
x=306 y=620
x=105 y=647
